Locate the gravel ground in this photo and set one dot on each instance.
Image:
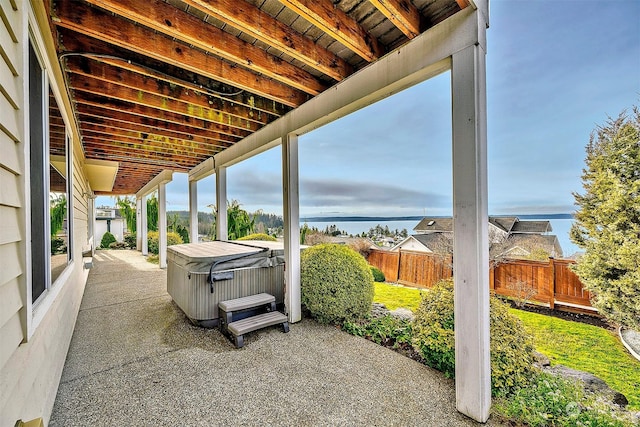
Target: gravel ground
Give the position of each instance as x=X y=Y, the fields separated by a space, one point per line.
x=136 y=360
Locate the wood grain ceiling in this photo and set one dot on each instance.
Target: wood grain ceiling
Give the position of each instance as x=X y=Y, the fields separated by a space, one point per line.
x=166 y=84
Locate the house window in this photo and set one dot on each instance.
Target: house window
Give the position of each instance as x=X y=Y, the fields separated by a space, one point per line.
x=50 y=172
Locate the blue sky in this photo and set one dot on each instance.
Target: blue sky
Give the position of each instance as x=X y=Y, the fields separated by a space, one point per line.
x=555 y=70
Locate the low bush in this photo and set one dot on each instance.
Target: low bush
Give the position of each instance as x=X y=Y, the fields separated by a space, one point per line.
x=547 y=400
x=511 y=346
x=131 y=241
x=386 y=330
x=118 y=245
x=153 y=244
x=336 y=282
x=58 y=246
x=378 y=275
x=107 y=239
x=259 y=236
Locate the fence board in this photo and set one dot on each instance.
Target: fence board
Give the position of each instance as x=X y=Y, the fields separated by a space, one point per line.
x=547 y=282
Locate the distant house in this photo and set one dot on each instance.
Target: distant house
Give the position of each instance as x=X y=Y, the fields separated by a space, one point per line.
x=508 y=237
x=109 y=219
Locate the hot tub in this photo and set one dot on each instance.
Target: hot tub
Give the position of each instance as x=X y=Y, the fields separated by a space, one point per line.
x=237 y=269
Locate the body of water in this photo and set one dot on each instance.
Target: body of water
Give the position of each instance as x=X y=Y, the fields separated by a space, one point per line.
x=560 y=227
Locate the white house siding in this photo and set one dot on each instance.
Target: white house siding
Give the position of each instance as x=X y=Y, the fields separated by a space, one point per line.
x=411 y=245
x=117 y=229
x=33 y=342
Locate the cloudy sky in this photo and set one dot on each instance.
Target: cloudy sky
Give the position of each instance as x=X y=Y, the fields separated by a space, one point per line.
x=555 y=70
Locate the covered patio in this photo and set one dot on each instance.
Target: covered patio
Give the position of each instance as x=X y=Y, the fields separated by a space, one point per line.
x=196 y=86
x=136 y=360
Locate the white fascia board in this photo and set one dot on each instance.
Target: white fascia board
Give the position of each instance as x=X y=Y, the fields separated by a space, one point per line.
x=204 y=169
x=424 y=57
x=162 y=178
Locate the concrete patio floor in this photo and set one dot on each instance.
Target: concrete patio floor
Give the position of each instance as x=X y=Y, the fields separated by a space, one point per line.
x=136 y=360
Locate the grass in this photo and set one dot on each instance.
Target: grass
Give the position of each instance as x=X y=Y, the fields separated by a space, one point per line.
x=587 y=348
x=573 y=344
x=393 y=296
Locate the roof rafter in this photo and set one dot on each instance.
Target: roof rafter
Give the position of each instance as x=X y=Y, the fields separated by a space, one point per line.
x=94 y=23
x=251 y=20
x=402 y=13
x=333 y=21
x=164 y=18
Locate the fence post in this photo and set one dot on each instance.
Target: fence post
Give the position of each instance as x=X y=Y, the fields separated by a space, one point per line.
x=398 y=266
x=552 y=284
x=492 y=276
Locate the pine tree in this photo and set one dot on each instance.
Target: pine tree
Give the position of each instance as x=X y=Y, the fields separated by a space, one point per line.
x=607 y=223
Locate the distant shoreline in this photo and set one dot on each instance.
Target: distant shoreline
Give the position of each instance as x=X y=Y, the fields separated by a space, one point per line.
x=418 y=217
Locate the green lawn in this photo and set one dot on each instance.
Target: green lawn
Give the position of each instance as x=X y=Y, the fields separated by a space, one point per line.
x=573 y=344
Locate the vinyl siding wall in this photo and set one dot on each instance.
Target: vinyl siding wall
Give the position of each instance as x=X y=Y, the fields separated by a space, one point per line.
x=33 y=340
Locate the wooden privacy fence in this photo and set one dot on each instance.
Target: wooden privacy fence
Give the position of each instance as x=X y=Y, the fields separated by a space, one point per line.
x=550 y=282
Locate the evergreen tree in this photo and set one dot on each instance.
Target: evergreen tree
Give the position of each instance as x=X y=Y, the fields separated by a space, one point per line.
x=607 y=223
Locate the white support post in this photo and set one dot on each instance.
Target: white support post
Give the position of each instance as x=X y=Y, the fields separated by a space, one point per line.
x=162 y=225
x=138 y=223
x=193 y=211
x=221 y=204
x=470 y=237
x=291 y=227
x=144 y=226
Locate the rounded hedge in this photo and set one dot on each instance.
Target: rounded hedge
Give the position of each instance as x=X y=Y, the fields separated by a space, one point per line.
x=336 y=282
x=107 y=239
x=378 y=275
x=511 y=346
x=153 y=244
x=259 y=236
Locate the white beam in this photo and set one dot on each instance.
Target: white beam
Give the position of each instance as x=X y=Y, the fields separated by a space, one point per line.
x=143 y=225
x=162 y=225
x=193 y=211
x=291 y=211
x=151 y=186
x=203 y=170
x=423 y=57
x=138 y=223
x=470 y=234
x=221 y=204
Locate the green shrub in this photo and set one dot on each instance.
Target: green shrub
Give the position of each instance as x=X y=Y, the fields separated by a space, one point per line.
x=378 y=275
x=118 y=245
x=107 y=239
x=57 y=246
x=547 y=400
x=259 y=236
x=386 y=330
x=336 y=282
x=511 y=347
x=131 y=241
x=152 y=241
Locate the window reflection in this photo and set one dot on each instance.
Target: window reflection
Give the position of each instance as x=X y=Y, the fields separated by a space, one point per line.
x=58 y=190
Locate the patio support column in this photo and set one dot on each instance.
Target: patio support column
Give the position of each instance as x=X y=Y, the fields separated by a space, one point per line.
x=193 y=211
x=470 y=238
x=291 y=210
x=138 y=224
x=143 y=226
x=221 y=204
x=162 y=225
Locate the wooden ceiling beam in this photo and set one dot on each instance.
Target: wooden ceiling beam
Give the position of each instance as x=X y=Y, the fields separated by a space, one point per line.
x=103 y=52
x=204 y=126
x=89 y=129
x=110 y=74
x=123 y=93
x=100 y=122
x=111 y=116
x=173 y=22
x=404 y=15
x=463 y=3
x=92 y=22
x=256 y=23
x=134 y=147
x=138 y=156
x=337 y=24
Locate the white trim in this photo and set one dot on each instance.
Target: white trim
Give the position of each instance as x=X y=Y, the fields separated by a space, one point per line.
x=162 y=178
x=143 y=226
x=291 y=211
x=162 y=225
x=222 y=232
x=193 y=211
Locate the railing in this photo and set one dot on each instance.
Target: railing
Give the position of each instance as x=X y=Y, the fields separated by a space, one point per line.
x=548 y=282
